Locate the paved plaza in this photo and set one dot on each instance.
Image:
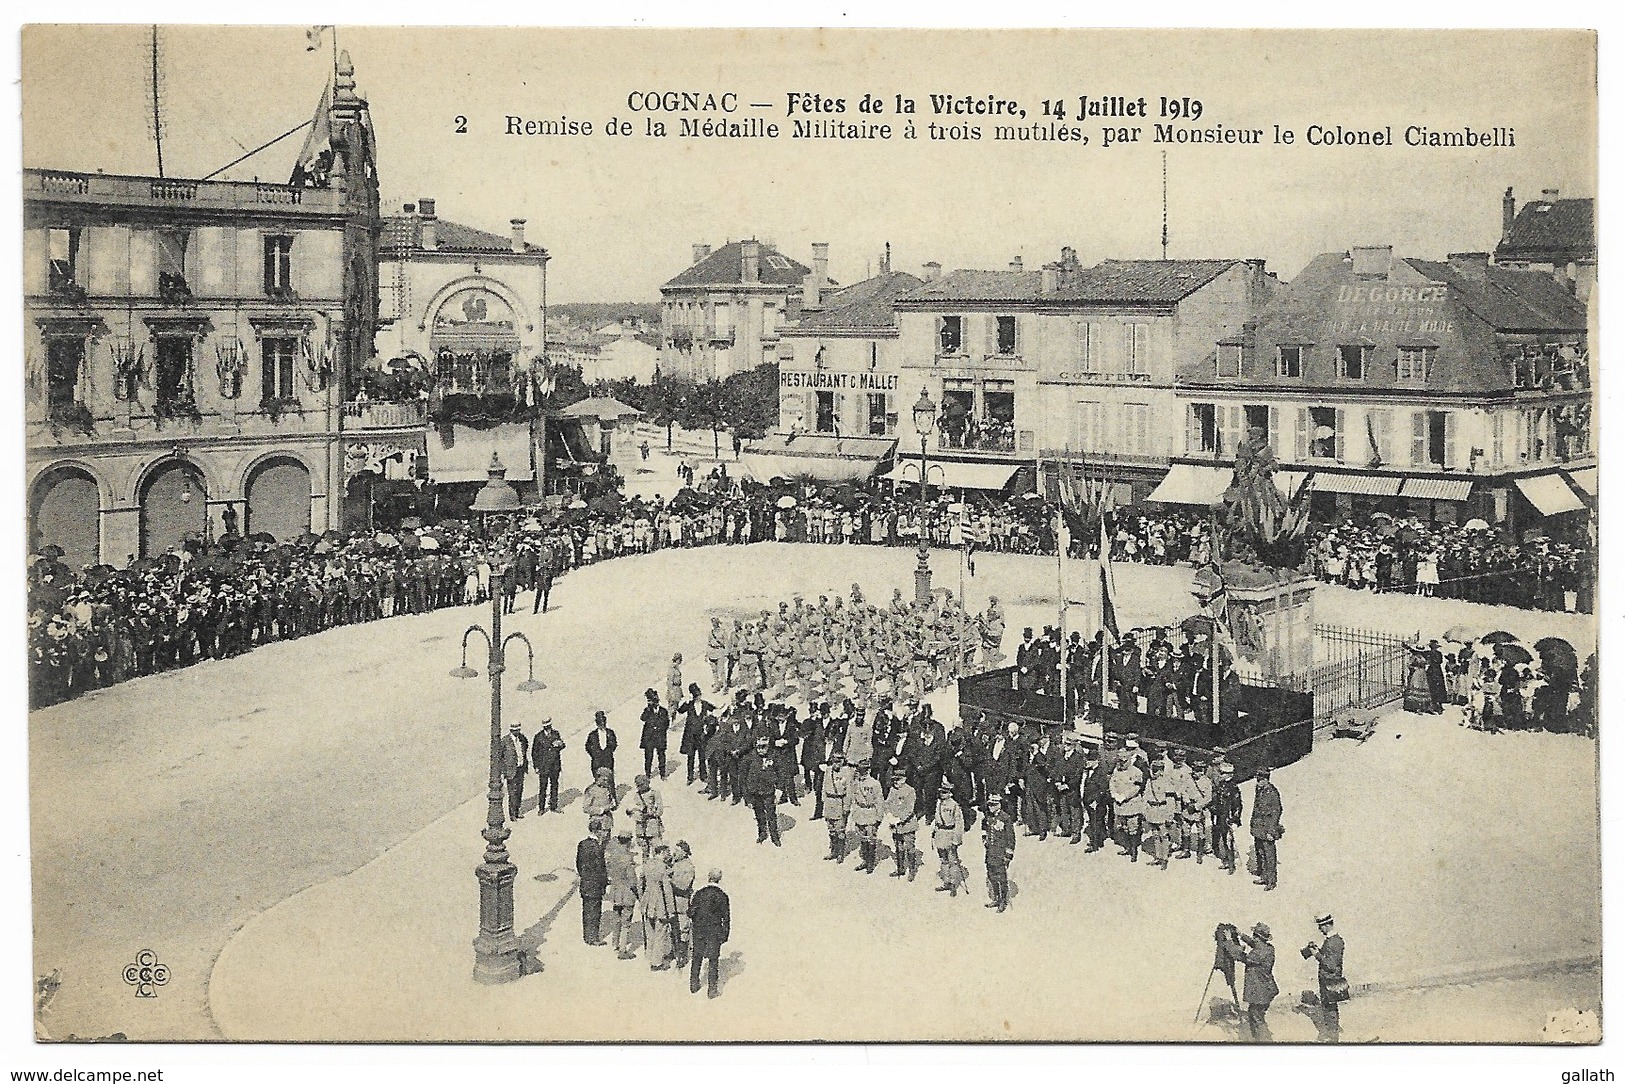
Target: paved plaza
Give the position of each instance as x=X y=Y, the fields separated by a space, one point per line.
x=294 y=832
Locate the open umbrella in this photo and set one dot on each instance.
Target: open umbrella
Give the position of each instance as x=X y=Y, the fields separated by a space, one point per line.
x=1197 y=625
x=1557 y=653
x=54 y=552
x=1379 y=515
x=787 y=502
x=1460 y=634
x=1514 y=653
x=323 y=546
x=262 y=536
x=412 y=523
x=577 y=505
x=1476 y=525
x=1498 y=637
x=429 y=542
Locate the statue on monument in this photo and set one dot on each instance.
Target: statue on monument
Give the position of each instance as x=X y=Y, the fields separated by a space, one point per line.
x=1260 y=526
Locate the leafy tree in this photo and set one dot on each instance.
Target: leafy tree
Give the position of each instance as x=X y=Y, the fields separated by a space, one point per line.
x=751 y=401
x=705 y=407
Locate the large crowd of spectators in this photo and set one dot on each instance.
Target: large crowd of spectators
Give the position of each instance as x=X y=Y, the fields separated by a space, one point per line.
x=213 y=598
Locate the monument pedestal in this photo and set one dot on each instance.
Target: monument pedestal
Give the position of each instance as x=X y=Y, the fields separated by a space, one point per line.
x=1273 y=613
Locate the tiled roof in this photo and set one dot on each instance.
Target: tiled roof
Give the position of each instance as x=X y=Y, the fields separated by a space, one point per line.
x=1509 y=300
x=1564 y=225
x=868 y=304
x=406 y=231
x=726 y=267
x=1130 y=281
x=980 y=286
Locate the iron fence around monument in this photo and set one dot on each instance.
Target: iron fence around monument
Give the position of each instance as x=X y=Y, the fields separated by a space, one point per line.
x=1360 y=669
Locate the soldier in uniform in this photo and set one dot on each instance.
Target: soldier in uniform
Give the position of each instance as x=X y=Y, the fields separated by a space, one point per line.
x=947 y=833
x=736 y=640
x=1183 y=782
x=1161 y=810
x=866 y=799
x=648 y=810
x=905 y=826
x=999 y=848
x=1195 y=813
x=716 y=653
x=674 y=686
x=992 y=627
x=1128 y=801
x=761 y=784
x=834 y=801
x=1265 y=827
x=622 y=896
x=1334 y=988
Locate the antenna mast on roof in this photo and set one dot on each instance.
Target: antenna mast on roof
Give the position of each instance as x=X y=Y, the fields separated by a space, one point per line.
x=1165 y=204
x=157 y=114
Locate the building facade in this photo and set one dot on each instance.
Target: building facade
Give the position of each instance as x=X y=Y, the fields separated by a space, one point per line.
x=1553 y=235
x=1444 y=390
x=189 y=344
x=1068 y=362
x=724 y=314
x=461 y=319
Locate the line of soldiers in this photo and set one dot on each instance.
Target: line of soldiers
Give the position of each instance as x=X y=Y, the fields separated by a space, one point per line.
x=817 y=651
x=1146 y=671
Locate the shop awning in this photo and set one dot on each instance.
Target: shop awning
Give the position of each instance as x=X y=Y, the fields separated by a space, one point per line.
x=1190 y=483
x=1437 y=489
x=816 y=457
x=1549 y=494
x=1585 y=478
x=466 y=457
x=956 y=475
x=1288 y=482
x=1363 y=485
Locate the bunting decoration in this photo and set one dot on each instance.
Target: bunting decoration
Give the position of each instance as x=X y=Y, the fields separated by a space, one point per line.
x=129 y=367
x=231 y=362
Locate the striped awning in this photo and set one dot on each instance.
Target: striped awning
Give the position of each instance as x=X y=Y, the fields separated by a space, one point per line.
x=955 y=475
x=1190 y=483
x=1549 y=494
x=1363 y=485
x=1585 y=478
x=1437 y=489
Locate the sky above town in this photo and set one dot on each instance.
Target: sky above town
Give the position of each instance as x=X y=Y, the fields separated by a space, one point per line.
x=619 y=214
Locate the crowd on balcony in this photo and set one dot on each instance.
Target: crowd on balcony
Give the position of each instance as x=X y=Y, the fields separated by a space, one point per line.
x=969 y=433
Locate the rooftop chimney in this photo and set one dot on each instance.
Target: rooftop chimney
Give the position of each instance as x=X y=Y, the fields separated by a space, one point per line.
x=428 y=236
x=812 y=286
x=1372 y=259
x=1549 y=195
x=1470 y=264
x=1015 y=263
x=517 y=225
x=749 y=258
x=933 y=271
x=701 y=252
x=1509 y=212
x=409 y=208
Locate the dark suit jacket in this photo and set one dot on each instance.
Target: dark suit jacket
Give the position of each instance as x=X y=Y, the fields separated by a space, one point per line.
x=601 y=754
x=923 y=758
x=708 y=913
x=1266 y=820
x=544 y=751
x=514 y=760
x=590 y=868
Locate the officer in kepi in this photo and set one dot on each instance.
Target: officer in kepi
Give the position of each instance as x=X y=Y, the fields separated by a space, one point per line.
x=1334 y=988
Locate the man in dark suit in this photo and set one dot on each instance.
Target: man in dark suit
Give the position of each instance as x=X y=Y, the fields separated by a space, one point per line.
x=709 y=919
x=656 y=733
x=1005 y=763
x=545 y=751
x=515 y=762
x=1265 y=827
x=544 y=581
x=925 y=756
x=1126 y=675
x=1258 y=989
x=601 y=747
x=592 y=878
x=1026 y=674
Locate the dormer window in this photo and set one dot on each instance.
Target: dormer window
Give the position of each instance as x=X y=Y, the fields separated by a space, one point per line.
x=1351 y=362
x=1289 y=362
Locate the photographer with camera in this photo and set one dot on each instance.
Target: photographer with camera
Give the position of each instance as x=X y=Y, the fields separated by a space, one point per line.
x=1258 y=987
x=1334 y=988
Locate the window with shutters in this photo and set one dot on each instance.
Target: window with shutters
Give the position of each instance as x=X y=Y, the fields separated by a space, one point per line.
x=1228 y=361
x=1005 y=338
x=63 y=269
x=882 y=422
x=1091 y=419
x=1323 y=437
x=1351 y=362
x=1136 y=348
x=1413 y=363
x=1429 y=444
x=276 y=369
x=1498 y=431
x=827 y=421
x=1202 y=429
x=171 y=249
x=1379 y=441
x=64 y=358
x=1289 y=362
x=1136 y=435
x=1257 y=416
x=1230 y=432
x=1088 y=347
x=278 y=266
x=950 y=335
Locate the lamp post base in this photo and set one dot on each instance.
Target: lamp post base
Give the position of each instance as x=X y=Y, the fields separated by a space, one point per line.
x=922 y=580
x=496 y=949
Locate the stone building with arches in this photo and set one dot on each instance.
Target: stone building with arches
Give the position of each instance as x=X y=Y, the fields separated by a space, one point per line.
x=459 y=347
x=189 y=345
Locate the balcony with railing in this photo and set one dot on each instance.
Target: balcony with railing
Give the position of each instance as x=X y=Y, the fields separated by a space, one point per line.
x=971 y=435
x=61 y=186
x=379 y=414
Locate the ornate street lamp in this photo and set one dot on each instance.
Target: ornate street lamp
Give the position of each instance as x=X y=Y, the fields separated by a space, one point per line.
x=497 y=497
x=496 y=949
x=925 y=422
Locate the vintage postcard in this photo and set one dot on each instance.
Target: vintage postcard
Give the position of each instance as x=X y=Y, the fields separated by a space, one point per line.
x=548 y=535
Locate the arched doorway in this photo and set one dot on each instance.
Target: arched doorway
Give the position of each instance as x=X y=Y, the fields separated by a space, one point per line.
x=279 y=500
x=173 y=507
x=66 y=512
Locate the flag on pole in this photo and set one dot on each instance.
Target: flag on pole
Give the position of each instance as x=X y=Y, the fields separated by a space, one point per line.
x=1108 y=589
x=316 y=156
x=313 y=37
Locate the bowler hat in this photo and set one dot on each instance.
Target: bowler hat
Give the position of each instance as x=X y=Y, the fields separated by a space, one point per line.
x=1261 y=931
